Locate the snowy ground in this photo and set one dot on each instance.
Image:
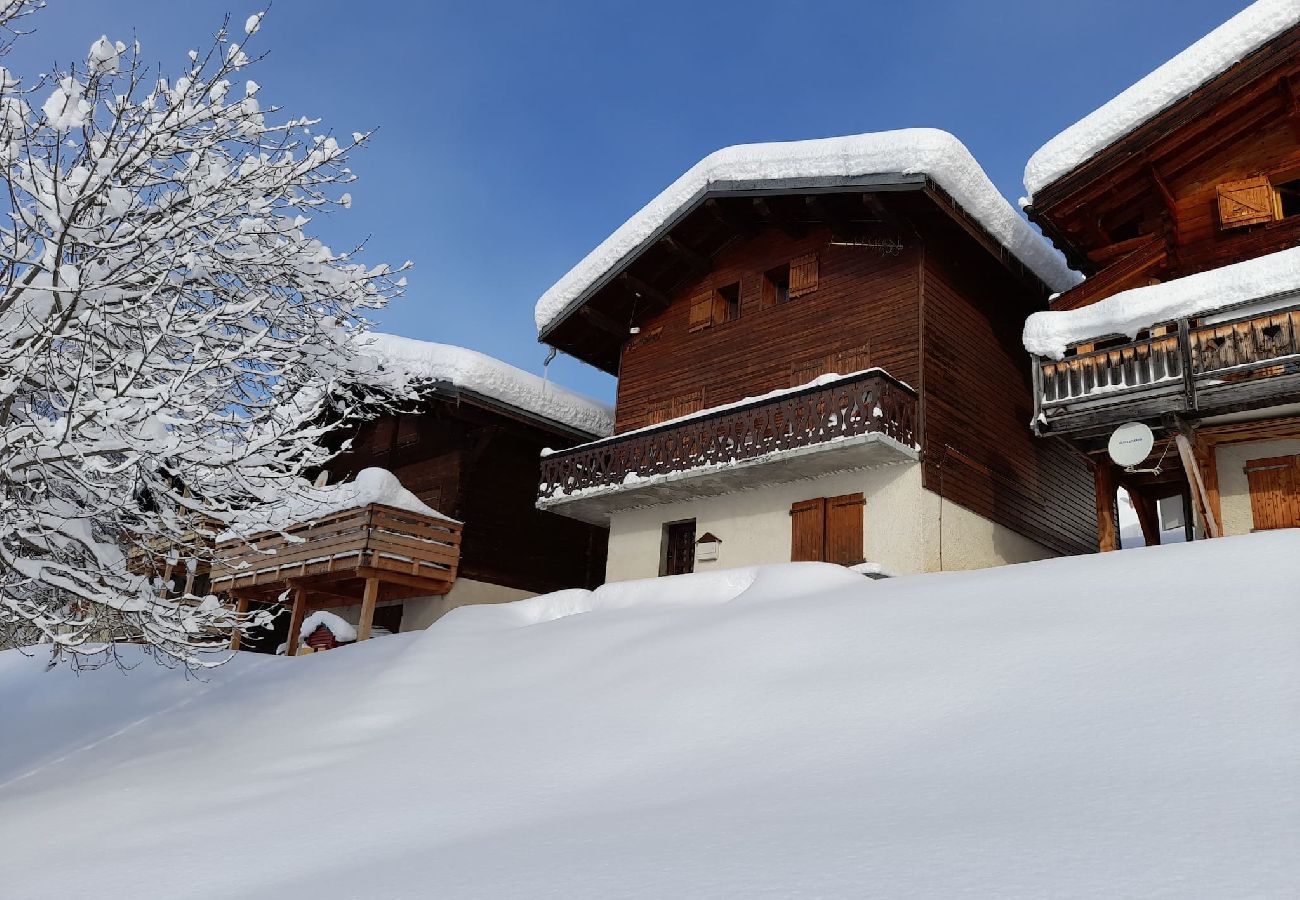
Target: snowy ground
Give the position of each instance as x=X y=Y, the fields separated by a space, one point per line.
x=1123 y=725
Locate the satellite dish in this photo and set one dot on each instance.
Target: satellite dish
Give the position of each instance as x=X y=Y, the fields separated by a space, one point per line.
x=1130 y=444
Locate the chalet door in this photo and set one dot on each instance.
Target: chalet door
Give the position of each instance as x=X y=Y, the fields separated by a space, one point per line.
x=679 y=550
x=1274 y=492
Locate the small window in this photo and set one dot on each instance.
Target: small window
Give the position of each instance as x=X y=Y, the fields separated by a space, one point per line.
x=678 y=554
x=728 y=303
x=776 y=286
x=1288 y=198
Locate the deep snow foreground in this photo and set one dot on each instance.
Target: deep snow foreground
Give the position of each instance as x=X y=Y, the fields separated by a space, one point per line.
x=1123 y=725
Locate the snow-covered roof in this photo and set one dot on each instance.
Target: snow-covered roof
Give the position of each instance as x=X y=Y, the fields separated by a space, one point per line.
x=1277 y=274
x=911 y=151
x=402 y=361
x=371 y=485
x=336 y=625
x=1206 y=59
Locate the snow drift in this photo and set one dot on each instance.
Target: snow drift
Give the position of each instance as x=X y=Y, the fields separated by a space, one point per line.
x=1122 y=725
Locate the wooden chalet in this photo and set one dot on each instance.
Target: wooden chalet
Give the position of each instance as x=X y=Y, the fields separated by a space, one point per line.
x=818 y=355
x=1184 y=224
x=469 y=451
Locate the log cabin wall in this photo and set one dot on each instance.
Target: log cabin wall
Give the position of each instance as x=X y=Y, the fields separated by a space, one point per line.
x=977 y=402
x=862 y=313
x=482 y=468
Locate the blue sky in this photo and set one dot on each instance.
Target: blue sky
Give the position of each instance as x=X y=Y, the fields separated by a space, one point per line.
x=515 y=136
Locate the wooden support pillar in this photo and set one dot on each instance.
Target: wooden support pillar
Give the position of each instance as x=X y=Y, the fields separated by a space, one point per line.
x=295 y=621
x=1107 y=518
x=1196 y=480
x=1148 y=515
x=241 y=607
x=368 y=601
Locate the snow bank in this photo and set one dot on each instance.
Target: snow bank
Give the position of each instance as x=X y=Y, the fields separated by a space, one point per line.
x=908 y=151
x=339 y=627
x=371 y=485
x=401 y=361
x=1106 y=726
x=1208 y=58
x=1049 y=333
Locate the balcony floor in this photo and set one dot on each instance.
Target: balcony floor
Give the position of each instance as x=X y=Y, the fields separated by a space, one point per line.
x=595 y=505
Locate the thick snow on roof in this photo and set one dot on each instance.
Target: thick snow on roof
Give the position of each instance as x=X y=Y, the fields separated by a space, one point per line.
x=908 y=151
x=371 y=485
x=338 y=626
x=1114 y=725
x=403 y=360
x=1050 y=333
x=1208 y=58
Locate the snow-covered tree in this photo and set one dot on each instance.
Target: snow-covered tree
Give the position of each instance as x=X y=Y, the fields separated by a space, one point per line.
x=169 y=331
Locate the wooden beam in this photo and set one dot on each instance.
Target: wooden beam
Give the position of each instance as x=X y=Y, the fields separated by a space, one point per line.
x=823 y=210
x=745 y=225
x=241 y=609
x=1103 y=475
x=643 y=291
x=295 y=621
x=1148 y=516
x=1193 y=470
x=694 y=258
x=771 y=217
x=604 y=323
x=368 y=609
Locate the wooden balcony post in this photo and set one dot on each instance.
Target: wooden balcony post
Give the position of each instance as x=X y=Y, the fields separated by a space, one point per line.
x=295 y=621
x=368 y=601
x=1107 y=519
x=241 y=607
x=1148 y=515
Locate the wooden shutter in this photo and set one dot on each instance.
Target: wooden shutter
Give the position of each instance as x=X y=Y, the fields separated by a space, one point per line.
x=1274 y=491
x=686 y=404
x=701 y=310
x=844 y=529
x=803 y=275
x=1246 y=202
x=808 y=530
x=660 y=412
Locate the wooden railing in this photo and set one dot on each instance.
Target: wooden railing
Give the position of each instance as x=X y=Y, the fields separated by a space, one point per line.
x=856 y=405
x=1179 y=357
x=368 y=541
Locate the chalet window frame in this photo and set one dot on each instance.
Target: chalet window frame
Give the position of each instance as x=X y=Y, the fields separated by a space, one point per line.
x=776 y=286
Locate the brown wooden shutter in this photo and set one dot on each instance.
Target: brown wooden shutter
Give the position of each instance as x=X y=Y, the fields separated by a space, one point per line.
x=1246 y=202
x=1274 y=492
x=686 y=404
x=803 y=275
x=701 y=310
x=660 y=412
x=844 y=529
x=808 y=530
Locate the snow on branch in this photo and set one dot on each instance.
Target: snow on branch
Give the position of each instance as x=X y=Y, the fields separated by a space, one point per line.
x=170 y=332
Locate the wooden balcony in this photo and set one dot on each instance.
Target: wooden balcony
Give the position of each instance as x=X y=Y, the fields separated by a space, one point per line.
x=374 y=541
x=1235 y=365
x=859 y=420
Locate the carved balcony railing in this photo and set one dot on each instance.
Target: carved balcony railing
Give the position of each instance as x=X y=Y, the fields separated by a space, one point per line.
x=1192 y=367
x=865 y=403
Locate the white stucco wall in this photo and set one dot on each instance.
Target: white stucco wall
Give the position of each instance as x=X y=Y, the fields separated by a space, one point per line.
x=900 y=529
x=421 y=612
x=1234 y=489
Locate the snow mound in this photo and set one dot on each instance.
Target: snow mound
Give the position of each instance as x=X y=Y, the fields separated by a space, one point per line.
x=1206 y=59
x=1122 y=724
x=1049 y=333
x=371 y=485
x=402 y=361
x=907 y=151
x=339 y=627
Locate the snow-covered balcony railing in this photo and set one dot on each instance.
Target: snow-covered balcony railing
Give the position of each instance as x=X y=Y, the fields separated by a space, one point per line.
x=1180 y=367
x=370 y=541
x=864 y=408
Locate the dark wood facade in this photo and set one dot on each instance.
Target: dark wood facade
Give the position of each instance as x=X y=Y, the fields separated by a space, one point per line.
x=1210 y=181
x=480 y=465
x=904 y=281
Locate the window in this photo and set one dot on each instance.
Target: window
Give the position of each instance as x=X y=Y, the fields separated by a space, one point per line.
x=1274 y=492
x=776 y=286
x=1253 y=201
x=677 y=556
x=827 y=529
x=728 y=302
x=1288 y=198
